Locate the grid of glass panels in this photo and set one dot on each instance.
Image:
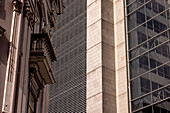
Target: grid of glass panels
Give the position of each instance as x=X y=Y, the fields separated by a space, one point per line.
x=68 y=94
x=148 y=36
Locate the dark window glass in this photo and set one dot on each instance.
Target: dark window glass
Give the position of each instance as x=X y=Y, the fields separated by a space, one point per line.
x=141 y=38
x=156 y=109
x=160 y=71
x=152 y=63
x=155 y=7
x=141 y=1
x=142 y=102
x=156 y=26
x=162 y=107
x=145 y=85
x=161 y=8
x=140 y=17
x=150 y=24
x=154 y=85
x=148 y=5
x=143 y=61
x=147 y=110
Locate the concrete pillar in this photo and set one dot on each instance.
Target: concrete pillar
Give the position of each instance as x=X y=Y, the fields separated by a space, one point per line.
x=120 y=57
x=101 y=92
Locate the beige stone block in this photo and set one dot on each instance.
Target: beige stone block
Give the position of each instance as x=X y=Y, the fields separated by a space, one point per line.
x=107 y=10
x=118 y=11
x=108 y=33
x=94 y=34
x=94 y=82
x=95 y=104
x=108 y=57
x=109 y=103
x=94 y=57
x=119 y=32
x=90 y=2
x=121 y=81
x=120 y=58
x=93 y=12
x=122 y=103
x=109 y=82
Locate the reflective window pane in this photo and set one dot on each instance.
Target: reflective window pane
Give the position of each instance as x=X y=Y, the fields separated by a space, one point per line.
x=148 y=25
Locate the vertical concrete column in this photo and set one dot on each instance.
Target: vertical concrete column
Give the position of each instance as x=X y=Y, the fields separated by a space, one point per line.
x=101 y=92
x=120 y=57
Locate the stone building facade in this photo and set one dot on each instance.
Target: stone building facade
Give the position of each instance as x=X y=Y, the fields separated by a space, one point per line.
x=26 y=54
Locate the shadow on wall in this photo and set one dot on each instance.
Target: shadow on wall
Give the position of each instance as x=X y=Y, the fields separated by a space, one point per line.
x=4 y=45
x=2 y=10
x=4 y=49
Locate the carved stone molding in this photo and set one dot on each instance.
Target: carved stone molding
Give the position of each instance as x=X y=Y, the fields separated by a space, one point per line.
x=28 y=13
x=17 y=6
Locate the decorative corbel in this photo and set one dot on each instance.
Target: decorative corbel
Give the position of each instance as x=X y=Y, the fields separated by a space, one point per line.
x=2 y=30
x=17 y=6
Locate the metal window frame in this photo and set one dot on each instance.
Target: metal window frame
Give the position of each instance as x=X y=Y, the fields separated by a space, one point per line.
x=127 y=56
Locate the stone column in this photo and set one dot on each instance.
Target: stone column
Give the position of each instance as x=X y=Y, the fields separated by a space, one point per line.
x=101 y=92
x=10 y=80
x=23 y=75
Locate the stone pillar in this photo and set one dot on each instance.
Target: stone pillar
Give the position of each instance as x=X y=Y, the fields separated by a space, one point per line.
x=10 y=80
x=101 y=92
x=120 y=57
x=23 y=75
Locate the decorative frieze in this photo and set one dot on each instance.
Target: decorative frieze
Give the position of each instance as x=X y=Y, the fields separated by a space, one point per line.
x=17 y=6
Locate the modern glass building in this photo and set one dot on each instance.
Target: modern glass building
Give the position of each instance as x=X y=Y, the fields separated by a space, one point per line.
x=148 y=43
x=127 y=68
x=68 y=94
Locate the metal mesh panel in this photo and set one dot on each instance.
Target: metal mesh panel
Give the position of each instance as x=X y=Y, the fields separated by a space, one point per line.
x=68 y=94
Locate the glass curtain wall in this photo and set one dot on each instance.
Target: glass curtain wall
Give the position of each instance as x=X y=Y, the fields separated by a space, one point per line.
x=68 y=94
x=148 y=37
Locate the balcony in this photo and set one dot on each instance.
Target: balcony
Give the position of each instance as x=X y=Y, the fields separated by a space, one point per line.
x=41 y=57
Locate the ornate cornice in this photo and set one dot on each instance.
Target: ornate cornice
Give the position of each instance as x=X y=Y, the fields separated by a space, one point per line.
x=17 y=6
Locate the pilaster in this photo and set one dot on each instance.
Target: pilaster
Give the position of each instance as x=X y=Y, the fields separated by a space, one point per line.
x=101 y=93
x=120 y=57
